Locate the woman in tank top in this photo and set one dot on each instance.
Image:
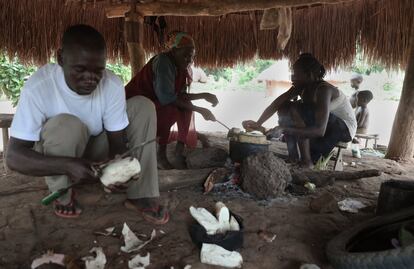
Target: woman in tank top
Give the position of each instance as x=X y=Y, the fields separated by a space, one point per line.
x=313 y=114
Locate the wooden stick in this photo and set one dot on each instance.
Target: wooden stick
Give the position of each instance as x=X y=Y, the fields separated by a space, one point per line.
x=209 y=7
x=323 y=178
x=168 y=180
x=175 y=179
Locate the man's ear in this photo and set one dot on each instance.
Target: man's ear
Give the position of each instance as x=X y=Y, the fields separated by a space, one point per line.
x=60 y=57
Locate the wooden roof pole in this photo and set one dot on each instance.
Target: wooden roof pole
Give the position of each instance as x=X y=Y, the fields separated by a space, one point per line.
x=401 y=146
x=134 y=34
x=209 y=7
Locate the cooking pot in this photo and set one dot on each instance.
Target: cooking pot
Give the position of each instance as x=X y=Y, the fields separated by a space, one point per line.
x=246 y=144
x=395 y=195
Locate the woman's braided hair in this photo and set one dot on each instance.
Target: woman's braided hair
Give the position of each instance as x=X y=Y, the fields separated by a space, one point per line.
x=310 y=65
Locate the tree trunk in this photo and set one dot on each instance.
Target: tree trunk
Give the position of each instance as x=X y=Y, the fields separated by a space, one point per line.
x=401 y=146
x=134 y=34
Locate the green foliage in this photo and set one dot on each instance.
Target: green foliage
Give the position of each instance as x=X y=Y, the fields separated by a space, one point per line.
x=360 y=66
x=123 y=71
x=217 y=73
x=322 y=163
x=389 y=86
x=245 y=72
x=261 y=65
x=12 y=77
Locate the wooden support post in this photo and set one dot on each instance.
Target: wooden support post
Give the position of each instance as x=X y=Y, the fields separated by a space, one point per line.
x=339 y=163
x=134 y=34
x=401 y=146
x=5 y=123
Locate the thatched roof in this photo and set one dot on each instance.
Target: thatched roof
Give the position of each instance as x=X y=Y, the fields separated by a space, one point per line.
x=31 y=29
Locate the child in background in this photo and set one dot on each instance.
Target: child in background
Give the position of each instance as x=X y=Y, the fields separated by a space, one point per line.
x=362 y=112
x=362 y=116
x=356 y=81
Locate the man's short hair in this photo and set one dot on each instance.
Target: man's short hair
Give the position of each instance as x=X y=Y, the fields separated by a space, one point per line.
x=366 y=95
x=84 y=36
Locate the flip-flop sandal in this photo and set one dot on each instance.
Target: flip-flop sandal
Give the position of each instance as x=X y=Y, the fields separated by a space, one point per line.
x=149 y=217
x=70 y=208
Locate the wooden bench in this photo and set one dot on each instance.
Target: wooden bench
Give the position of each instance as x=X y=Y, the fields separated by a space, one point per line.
x=339 y=163
x=368 y=137
x=5 y=123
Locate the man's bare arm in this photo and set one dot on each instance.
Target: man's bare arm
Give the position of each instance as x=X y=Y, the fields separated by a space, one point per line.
x=321 y=117
x=22 y=158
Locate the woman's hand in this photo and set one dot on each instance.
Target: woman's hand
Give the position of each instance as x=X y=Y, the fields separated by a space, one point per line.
x=207 y=115
x=251 y=125
x=211 y=98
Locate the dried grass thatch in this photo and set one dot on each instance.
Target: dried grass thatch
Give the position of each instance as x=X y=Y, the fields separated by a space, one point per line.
x=31 y=29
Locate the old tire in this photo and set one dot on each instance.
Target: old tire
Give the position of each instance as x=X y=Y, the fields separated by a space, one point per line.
x=338 y=249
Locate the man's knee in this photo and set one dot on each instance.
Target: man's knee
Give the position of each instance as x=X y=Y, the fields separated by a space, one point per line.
x=64 y=120
x=64 y=128
x=141 y=104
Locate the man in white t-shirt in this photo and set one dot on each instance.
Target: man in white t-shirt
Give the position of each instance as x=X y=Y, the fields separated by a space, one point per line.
x=73 y=114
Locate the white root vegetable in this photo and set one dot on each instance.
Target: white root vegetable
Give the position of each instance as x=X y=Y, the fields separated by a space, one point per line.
x=47 y=258
x=205 y=219
x=120 y=171
x=97 y=262
x=234 y=224
x=139 y=262
x=132 y=242
x=216 y=255
x=223 y=216
x=222 y=224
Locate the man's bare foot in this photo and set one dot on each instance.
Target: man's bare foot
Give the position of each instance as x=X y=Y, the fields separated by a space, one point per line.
x=163 y=163
x=68 y=210
x=306 y=164
x=292 y=160
x=162 y=160
x=180 y=162
x=204 y=140
x=150 y=209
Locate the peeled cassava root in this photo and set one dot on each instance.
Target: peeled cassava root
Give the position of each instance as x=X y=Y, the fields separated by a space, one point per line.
x=120 y=171
x=216 y=255
x=205 y=219
x=222 y=223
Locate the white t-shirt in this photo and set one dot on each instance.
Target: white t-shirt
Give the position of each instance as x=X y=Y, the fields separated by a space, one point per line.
x=46 y=94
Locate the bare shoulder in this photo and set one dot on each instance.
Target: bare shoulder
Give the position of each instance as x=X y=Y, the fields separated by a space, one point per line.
x=326 y=89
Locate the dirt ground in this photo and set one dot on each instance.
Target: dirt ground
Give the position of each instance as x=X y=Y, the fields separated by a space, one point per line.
x=28 y=229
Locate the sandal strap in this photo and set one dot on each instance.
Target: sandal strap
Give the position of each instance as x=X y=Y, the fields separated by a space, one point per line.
x=155 y=209
x=70 y=207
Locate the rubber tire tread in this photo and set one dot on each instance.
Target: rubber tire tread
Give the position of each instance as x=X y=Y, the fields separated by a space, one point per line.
x=401 y=258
